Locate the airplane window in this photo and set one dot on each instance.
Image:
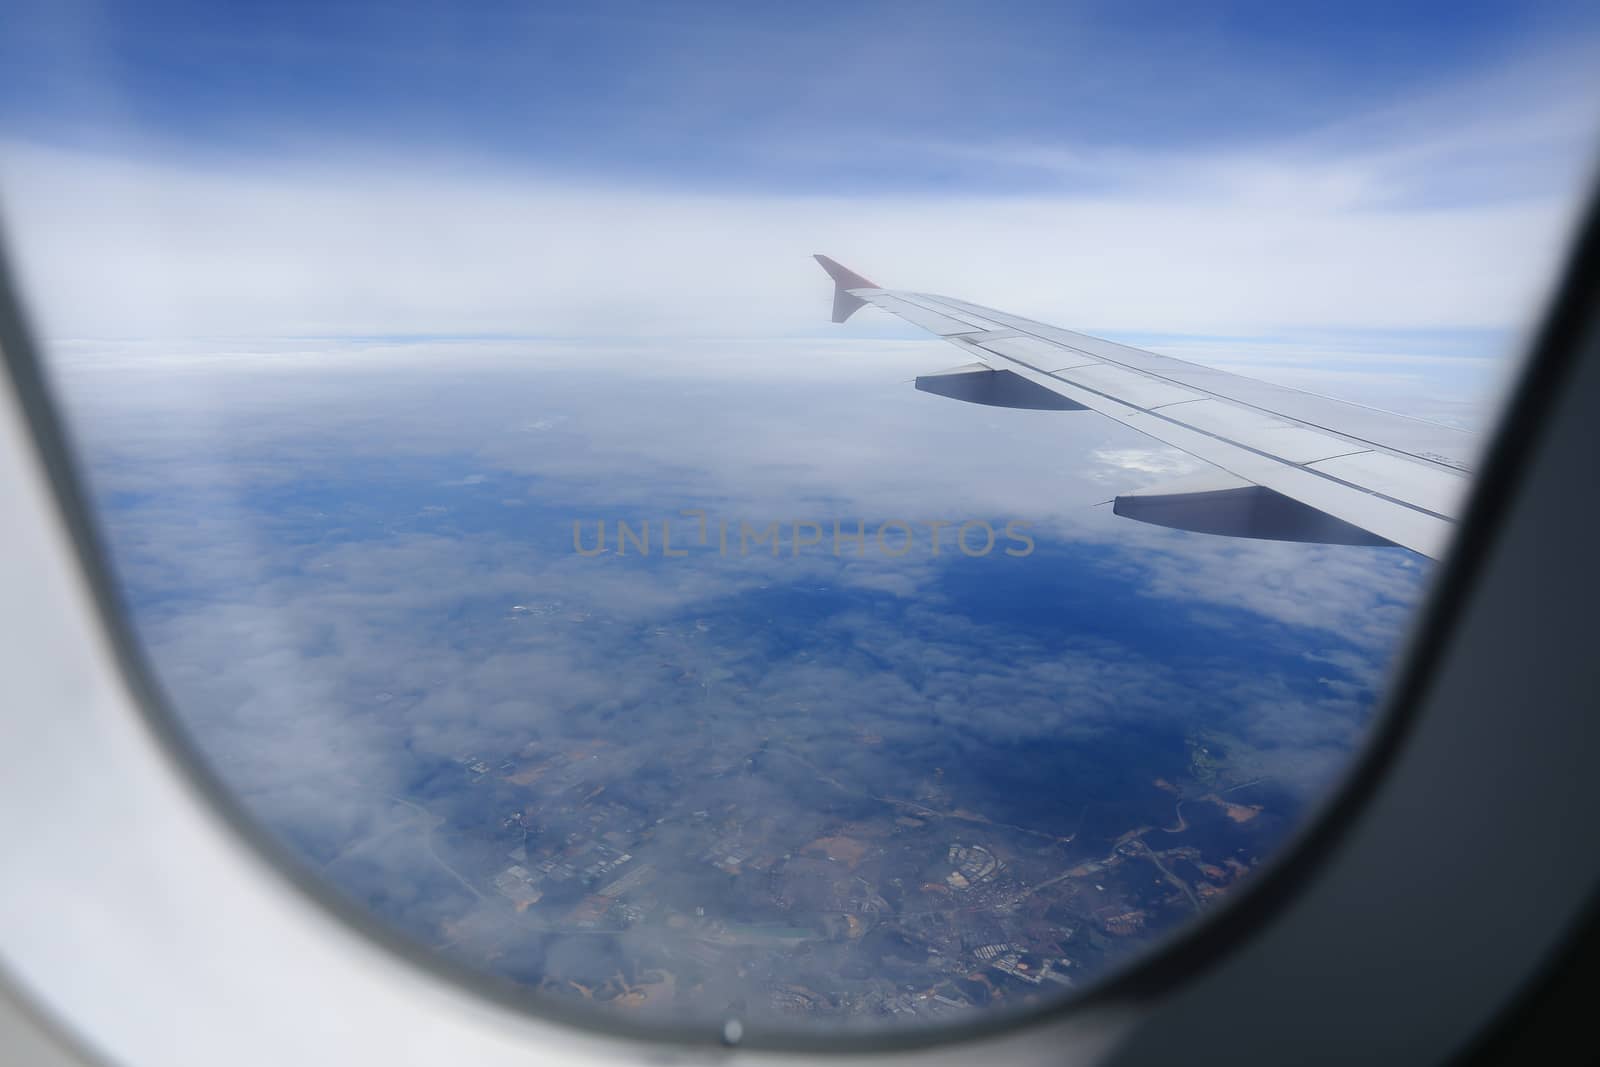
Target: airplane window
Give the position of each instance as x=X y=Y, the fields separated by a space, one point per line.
x=517 y=541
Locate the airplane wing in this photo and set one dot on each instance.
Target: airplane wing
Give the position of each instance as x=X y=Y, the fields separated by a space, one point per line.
x=1288 y=465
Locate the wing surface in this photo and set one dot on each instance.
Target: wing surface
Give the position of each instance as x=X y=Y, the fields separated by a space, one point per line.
x=1290 y=465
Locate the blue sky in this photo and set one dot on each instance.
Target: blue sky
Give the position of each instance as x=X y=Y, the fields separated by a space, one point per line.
x=1324 y=185
x=707 y=93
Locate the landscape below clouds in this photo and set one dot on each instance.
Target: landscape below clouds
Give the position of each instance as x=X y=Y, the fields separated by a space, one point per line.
x=354 y=571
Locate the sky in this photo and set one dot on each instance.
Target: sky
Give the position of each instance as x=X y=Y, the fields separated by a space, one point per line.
x=1146 y=170
x=356 y=309
x=722 y=93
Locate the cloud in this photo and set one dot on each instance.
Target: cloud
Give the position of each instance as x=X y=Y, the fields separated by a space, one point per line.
x=320 y=566
x=1156 y=460
x=141 y=249
x=335 y=524
x=1405 y=215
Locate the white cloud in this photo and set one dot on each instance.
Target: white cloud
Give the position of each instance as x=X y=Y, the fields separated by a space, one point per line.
x=1442 y=209
x=1157 y=460
x=1364 y=224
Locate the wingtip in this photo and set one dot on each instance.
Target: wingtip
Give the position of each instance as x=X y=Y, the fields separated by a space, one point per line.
x=844 y=279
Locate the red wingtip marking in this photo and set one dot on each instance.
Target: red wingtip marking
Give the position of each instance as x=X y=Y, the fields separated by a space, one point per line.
x=843 y=276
